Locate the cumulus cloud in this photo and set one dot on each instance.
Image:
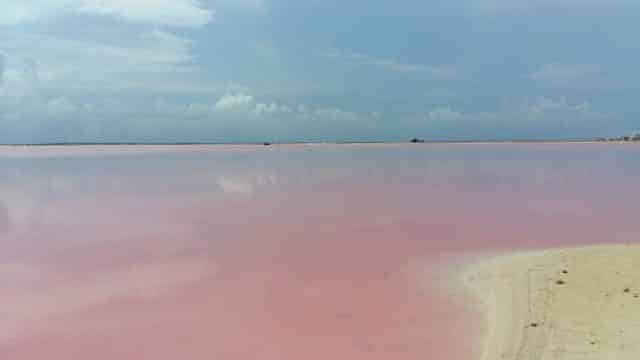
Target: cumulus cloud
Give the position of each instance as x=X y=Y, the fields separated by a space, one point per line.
x=271 y=108
x=233 y=105
x=234 y=102
x=179 y=13
x=247 y=104
x=238 y=116
x=391 y=64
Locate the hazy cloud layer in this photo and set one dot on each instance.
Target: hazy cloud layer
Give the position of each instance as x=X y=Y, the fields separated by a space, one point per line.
x=391 y=64
x=179 y=13
x=555 y=72
x=527 y=118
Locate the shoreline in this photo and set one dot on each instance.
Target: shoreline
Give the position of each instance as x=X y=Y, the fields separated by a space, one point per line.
x=89 y=149
x=566 y=303
x=285 y=143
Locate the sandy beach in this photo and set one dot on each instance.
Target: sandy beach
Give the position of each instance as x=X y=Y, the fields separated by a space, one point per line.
x=575 y=303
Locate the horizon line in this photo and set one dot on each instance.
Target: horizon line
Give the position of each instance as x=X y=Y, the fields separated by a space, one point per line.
x=266 y=143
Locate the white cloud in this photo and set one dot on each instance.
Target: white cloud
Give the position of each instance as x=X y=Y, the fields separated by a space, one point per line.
x=563 y=73
x=103 y=59
x=244 y=115
x=181 y=13
x=392 y=65
x=46 y=78
x=544 y=104
x=145 y=50
x=69 y=65
x=234 y=102
x=236 y=105
x=271 y=108
x=248 y=104
x=266 y=108
x=537 y=108
x=542 y=116
x=187 y=13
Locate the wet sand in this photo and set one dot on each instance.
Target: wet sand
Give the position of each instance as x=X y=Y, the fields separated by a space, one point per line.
x=573 y=303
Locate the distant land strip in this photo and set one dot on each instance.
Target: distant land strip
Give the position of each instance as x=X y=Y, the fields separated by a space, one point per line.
x=477 y=141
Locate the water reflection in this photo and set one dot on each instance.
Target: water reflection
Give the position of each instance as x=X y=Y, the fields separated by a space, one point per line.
x=4 y=219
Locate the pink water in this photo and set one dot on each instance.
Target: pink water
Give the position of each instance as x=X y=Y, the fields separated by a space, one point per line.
x=282 y=252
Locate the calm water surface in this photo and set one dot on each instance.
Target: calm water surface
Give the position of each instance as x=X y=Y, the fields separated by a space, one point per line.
x=282 y=252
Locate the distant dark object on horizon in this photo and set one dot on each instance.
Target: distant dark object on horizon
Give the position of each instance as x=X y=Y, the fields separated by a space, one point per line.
x=266 y=143
x=416 y=140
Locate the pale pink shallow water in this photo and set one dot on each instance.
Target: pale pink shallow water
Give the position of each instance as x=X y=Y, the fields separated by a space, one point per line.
x=282 y=252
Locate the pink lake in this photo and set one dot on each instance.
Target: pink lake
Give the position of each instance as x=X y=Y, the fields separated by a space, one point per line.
x=283 y=252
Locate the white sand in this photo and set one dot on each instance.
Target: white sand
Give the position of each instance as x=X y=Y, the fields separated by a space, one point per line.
x=536 y=311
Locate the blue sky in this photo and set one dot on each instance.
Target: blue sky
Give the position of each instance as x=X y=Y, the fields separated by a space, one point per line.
x=283 y=70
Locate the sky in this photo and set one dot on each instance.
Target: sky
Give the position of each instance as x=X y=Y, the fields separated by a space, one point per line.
x=284 y=70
